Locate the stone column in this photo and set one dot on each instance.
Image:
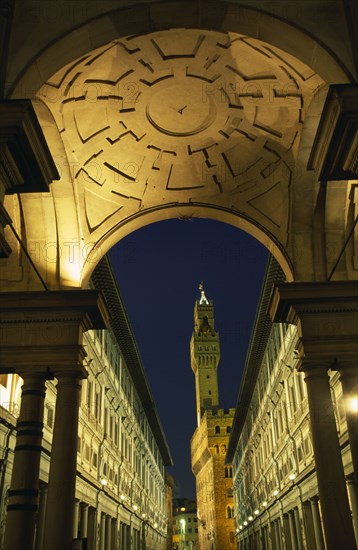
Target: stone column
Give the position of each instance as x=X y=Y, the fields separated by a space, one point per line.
x=352 y=490
x=317 y=525
x=23 y=493
x=287 y=533
x=349 y=381
x=41 y=335
x=273 y=534
x=102 y=532
x=41 y=518
x=330 y=474
x=293 y=535
x=83 y=520
x=308 y=525
x=76 y=514
x=278 y=534
x=298 y=528
x=108 y=532
x=327 y=324
x=114 y=534
x=62 y=478
x=92 y=529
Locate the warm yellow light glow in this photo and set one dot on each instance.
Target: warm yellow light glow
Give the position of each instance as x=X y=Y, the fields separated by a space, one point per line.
x=155 y=525
x=257 y=512
x=135 y=507
x=292 y=477
x=182 y=509
x=250 y=518
x=143 y=515
x=123 y=497
x=352 y=405
x=245 y=523
x=264 y=503
x=275 y=493
x=104 y=482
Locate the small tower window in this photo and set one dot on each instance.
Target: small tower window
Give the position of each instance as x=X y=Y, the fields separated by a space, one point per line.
x=217 y=429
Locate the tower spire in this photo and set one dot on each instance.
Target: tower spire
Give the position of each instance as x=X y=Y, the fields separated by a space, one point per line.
x=203 y=298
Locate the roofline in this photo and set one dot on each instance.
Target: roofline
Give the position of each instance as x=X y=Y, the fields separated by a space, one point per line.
x=104 y=279
x=259 y=337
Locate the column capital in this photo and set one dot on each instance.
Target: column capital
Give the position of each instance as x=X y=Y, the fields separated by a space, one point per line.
x=42 y=330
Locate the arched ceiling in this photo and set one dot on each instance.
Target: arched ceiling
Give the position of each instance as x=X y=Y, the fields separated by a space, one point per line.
x=179 y=116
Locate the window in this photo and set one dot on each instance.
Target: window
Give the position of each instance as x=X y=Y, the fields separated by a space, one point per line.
x=229 y=512
x=228 y=429
x=50 y=414
x=217 y=429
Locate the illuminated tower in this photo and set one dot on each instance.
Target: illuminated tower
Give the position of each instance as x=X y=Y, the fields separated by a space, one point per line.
x=205 y=356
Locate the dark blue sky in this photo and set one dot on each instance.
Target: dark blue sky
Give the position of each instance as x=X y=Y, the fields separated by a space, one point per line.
x=159 y=268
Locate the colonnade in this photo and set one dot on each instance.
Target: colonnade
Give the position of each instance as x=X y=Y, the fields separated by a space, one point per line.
x=41 y=338
x=327 y=320
x=299 y=528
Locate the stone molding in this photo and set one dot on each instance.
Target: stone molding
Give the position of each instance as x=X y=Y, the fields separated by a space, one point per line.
x=26 y=164
x=326 y=315
x=42 y=331
x=335 y=149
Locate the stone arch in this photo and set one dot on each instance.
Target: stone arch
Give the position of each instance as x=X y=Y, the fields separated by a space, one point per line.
x=32 y=67
x=84 y=216
x=187 y=211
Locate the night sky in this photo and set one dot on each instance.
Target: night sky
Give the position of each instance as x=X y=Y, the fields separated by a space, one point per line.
x=159 y=268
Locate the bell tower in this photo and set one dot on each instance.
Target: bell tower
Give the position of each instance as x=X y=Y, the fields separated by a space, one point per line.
x=205 y=356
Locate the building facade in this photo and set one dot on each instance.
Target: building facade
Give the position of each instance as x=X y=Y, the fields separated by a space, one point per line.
x=209 y=442
x=276 y=493
x=121 y=491
x=185 y=524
